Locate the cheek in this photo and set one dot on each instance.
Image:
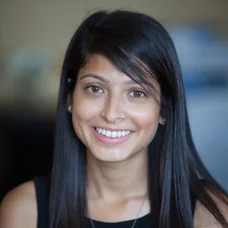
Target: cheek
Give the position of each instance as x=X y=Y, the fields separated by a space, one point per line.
x=147 y=121
x=83 y=110
x=81 y=114
x=147 y=117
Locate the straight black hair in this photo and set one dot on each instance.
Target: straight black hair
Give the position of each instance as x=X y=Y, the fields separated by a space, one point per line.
x=141 y=48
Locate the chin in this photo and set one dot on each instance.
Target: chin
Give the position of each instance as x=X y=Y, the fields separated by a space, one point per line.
x=114 y=154
x=110 y=156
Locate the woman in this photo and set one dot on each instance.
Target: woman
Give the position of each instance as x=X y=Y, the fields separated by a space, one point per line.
x=124 y=155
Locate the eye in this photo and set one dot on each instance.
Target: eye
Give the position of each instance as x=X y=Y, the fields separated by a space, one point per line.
x=137 y=94
x=94 y=89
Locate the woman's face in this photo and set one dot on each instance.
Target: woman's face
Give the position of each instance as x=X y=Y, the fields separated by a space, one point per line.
x=112 y=115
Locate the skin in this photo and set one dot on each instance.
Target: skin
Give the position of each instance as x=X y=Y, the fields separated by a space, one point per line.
x=117 y=173
x=113 y=101
x=106 y=98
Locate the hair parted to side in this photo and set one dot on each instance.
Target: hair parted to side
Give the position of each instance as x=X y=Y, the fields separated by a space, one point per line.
x=141 y=48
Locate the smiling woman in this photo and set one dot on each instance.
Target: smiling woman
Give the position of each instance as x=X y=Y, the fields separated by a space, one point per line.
x=124 y=154
x=112 y=115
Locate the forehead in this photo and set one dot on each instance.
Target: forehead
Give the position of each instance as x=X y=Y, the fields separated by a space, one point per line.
x=101 y=65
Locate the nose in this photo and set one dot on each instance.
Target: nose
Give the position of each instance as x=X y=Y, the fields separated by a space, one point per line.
x=113 y=110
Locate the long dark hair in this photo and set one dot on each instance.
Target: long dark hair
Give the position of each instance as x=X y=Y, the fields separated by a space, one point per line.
x=140 y=47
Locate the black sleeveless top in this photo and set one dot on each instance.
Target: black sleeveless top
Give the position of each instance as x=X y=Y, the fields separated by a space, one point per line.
x=42 y=188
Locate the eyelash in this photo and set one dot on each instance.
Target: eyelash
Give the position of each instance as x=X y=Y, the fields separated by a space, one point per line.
x=140 y=92
x=91 y=87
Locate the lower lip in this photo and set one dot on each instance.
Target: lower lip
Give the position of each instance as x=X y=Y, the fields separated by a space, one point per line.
x=108 y=140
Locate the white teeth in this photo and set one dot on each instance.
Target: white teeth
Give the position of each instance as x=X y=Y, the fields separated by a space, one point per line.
x=108 y=133
x=123 y=133
x=112 y=134
x=99 y=130
x=128 y=132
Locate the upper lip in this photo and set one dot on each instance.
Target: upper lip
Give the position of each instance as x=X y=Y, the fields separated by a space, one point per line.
x=114 y=129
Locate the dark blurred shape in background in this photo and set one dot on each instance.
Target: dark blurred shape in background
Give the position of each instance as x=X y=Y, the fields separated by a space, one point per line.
x=34 y=37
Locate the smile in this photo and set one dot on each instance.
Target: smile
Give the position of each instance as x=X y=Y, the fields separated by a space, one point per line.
x=112 y=134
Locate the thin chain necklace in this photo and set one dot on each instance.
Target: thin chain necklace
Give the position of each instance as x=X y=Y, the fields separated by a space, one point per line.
x=136 y=219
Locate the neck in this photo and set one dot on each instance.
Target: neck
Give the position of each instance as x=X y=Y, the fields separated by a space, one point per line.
x=117 y=180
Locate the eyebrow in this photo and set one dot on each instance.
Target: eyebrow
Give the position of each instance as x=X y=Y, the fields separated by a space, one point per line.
x=100 y=78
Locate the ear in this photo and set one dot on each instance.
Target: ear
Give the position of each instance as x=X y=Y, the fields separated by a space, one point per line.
x=69 y=103
x=162 y=120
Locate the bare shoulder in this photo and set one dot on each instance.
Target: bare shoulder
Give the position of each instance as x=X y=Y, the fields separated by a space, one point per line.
x=18 y=208
x=204 y=218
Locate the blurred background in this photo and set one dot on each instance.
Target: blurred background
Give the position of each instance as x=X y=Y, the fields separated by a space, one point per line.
x=33 y=40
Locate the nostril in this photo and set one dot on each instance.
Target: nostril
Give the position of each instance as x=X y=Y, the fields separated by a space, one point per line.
x=112 y=113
